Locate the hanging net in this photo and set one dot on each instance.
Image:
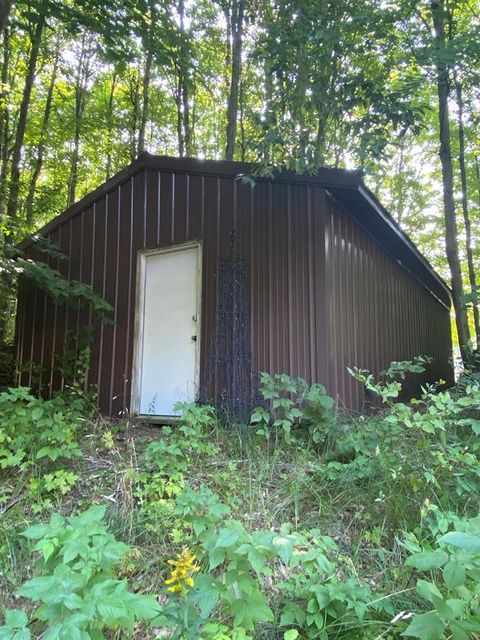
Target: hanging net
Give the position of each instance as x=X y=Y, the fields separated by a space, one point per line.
x=231 y=382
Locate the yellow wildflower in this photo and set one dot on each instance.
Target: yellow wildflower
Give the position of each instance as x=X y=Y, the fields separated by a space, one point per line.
x=181 y=575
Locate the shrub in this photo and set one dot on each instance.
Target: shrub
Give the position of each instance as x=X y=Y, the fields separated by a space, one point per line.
x=427 y=448
x=226 y=568
x=77 y=591
x=293 y=405
x=167 y=461
x=451 y=566
x=32 y=429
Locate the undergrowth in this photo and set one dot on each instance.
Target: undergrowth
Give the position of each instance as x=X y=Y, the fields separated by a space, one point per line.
x=304 y=524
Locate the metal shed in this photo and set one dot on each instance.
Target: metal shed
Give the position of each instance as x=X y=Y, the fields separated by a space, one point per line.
x=333 y=281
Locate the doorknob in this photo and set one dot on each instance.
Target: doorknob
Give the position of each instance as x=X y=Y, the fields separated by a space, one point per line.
x=194 y=338
x=194 y=318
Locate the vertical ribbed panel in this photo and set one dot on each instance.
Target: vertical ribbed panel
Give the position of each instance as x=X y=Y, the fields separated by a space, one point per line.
x=377 y=311
x=324 y=295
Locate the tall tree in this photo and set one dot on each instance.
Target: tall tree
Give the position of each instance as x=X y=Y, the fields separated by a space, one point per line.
x=465 y=208
x=148 y=48
x=183 y=83
x=37 y=27
x=40 y=152
x=133 y=89
x=235 y=16
x=4 y=122
x=440 y=17
x=81 y=81
x=109 y=123
x=5 y=6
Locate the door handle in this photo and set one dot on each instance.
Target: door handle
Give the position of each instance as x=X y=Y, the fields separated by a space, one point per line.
x=194 y=338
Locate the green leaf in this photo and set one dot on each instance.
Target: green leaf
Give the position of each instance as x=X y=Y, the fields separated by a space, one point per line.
x=143 y=607
x=216 y=556
x=428 y=590
x=15 y=618
x=36 y=531
x=465 y=541
x=284 y=546
x=291 y=634
x=457 y=606
x=429 y=560
x=37 y=588
x=113 y=611
x=204 y=593
x=426 y=626
x=257 y=559
x=248 y=611
x=227 y=537
x=15 y=627
x=458 y=633
x=454 y=574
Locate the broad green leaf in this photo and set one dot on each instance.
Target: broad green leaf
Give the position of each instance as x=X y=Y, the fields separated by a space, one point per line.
x=38 y=588
x=227 y=537
x=426 y=626
x=204 y=593
x=15 y=618
x=465 y=541
x=249 y=611
x=428 y=590
x=36 y=531
x=458 y=633
x=216 y=556
x=454 y=573
x=143 y=607
x=284 y=546
x=428 y=560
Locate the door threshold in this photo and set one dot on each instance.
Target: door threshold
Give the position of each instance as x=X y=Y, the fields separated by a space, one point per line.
x=158 y=420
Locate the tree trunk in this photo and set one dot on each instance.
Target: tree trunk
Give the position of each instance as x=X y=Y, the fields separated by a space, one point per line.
x=5 y=6
x=187 y=121
x=43 y=135
x=242 y=123
x=400 y=193
x=148 y=44
x=477 y=172
x=178 y=102
x=108 y=169
x=319 y=152
x=12 y=206
x=466 y=214
x=237 y=21
x=4 y=125
x=182 y=91
x=83 y=70
x=145 y=96
x=445 y=152
x=134 y=99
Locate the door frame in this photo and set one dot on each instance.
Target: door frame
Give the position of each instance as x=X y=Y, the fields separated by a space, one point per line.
x=138 y=336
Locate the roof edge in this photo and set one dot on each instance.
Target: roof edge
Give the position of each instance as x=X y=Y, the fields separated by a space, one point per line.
x=130 y=170
x=323 y=176
x=376 y=219
x=342 y=180
x=393 y=224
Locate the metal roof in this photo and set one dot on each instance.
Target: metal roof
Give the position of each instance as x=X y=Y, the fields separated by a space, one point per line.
x=345 y=187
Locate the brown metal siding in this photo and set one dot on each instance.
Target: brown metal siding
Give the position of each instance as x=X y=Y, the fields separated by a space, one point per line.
x=376 y=312
x=296 y=245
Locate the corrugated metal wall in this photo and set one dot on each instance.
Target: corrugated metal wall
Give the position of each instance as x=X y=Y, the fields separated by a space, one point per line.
x=278 y=230
x=373 y=311
x=376 y=312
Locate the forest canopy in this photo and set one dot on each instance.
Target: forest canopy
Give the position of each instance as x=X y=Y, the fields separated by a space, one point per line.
x=390 y=87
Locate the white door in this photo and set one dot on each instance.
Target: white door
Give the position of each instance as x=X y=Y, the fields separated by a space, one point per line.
x=168 y=362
